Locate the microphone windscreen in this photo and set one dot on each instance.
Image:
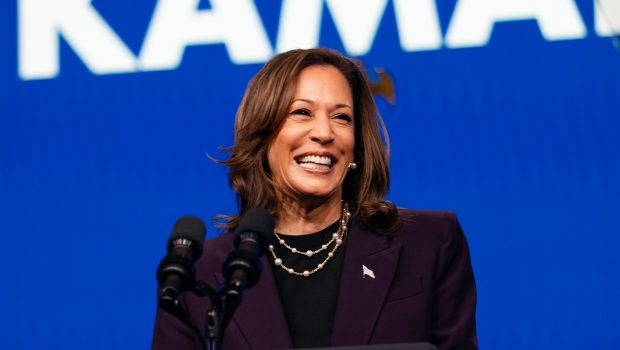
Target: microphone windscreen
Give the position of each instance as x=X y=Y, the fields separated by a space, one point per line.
x=257 y=220
x=192 y=228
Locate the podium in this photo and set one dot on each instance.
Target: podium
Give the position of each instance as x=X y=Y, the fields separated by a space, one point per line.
x=410 y=346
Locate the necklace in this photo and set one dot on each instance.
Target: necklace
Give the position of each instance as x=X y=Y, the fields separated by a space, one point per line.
x=336 y=241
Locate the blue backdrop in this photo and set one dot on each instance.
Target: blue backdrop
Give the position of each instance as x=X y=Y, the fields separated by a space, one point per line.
x=506 y=112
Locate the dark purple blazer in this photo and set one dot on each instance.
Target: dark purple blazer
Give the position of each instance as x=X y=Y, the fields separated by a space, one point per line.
x=423 y=291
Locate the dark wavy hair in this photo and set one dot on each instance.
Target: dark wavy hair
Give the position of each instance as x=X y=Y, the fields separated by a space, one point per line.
x=262 y=113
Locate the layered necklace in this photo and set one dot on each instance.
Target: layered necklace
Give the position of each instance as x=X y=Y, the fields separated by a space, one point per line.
x=332 y=245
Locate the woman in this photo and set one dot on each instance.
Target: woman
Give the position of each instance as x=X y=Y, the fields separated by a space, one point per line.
x=345 y=267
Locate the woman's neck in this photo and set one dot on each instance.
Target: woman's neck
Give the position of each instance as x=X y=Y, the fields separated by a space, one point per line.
x=296 y=218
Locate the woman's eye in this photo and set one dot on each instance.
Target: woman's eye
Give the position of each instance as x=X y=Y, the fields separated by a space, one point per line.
x=302 y=112
x=344 y=117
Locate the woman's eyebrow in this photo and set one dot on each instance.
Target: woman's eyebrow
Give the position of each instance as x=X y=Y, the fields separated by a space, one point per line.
x=343 y=105
x=303 y=100
x=338 y=105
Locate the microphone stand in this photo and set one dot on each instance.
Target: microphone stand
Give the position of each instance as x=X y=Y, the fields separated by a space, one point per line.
x=224 y=303
x=175 y=308
x=214 y=329
x=223 y=306
x=213 y=325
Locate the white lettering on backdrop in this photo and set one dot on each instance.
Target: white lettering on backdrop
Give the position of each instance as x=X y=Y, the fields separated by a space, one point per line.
x=41 y=22
x=177 y=24
x=473 y=20
x=607 y=17
x=300 y=23
x=237 y=24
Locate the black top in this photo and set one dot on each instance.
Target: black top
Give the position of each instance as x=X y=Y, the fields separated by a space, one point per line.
x=309 y=302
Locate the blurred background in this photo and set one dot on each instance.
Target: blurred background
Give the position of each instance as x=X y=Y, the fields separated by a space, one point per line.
x=505 y=111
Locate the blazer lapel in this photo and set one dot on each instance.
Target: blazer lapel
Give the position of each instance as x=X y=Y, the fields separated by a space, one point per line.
x=260 y=316
x=361 y=296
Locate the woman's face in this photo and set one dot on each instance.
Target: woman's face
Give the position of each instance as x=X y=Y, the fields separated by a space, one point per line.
x=310 y=154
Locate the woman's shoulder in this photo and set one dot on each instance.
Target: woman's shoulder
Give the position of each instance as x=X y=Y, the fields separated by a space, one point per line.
x=434 y=217
x=214 y=253
x=220 y=241
x=219 y=246
x=435 y=225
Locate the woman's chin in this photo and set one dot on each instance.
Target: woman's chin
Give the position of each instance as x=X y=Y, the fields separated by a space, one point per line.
x=317 y=192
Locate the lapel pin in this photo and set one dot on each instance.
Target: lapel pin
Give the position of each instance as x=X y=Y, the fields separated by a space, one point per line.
x=367 y=272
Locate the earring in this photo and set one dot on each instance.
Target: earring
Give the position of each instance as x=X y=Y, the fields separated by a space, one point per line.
x=352 y=166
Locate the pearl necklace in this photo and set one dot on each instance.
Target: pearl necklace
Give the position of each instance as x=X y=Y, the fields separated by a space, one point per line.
x=337 y=239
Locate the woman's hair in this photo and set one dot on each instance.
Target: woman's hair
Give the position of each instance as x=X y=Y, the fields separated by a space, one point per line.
x=262 y=113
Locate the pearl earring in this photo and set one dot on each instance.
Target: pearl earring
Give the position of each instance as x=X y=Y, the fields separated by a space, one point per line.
x=352 y=166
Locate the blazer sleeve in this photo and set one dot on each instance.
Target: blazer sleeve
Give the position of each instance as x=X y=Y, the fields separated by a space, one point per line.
x=171 y=333
x=454 y=299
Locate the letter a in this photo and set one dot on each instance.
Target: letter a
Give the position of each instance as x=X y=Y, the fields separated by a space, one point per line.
x=178 y=23
x=473 y=20
x=607 y=17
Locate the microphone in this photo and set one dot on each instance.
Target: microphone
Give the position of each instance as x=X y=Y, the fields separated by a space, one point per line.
x=175 y=273
x=242 y=267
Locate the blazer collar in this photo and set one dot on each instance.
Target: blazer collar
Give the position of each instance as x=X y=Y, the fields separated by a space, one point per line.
x=261 y=317
x=361 y=296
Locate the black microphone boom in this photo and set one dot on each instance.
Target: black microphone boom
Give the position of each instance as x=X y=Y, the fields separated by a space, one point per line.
x=175 y=273
x=242 y=267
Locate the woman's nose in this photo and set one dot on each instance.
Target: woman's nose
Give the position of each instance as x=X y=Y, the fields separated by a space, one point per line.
x=322 y=131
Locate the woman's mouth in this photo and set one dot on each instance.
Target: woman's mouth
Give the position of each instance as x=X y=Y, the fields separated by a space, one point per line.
x=315 y=162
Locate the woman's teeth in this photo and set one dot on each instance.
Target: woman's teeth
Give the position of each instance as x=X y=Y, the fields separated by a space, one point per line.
x=313 y=166
x=315 y=162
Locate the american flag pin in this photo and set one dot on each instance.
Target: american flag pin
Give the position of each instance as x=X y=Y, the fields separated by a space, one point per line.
x=367 y=272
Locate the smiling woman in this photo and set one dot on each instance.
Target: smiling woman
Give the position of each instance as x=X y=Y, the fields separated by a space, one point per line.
x=310 y=102
x=310 y=156
x=345 y=266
